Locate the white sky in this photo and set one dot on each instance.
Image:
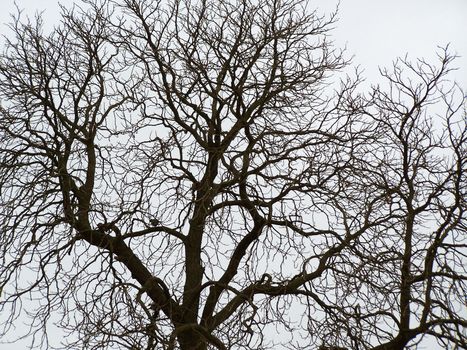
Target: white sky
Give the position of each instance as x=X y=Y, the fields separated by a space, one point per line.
x=375 y=32
x=378 y=31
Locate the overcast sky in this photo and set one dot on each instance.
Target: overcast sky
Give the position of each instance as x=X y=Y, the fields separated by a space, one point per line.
x=375 y=32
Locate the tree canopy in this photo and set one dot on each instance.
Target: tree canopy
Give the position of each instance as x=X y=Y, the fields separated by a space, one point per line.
x=204 y=174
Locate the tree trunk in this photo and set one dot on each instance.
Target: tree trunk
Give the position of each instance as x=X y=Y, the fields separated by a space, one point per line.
x=192 y=340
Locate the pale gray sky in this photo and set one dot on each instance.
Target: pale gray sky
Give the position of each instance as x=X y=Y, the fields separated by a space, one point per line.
x=375 y=32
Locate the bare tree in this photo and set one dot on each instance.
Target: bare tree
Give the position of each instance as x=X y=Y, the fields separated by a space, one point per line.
x=193 y=175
